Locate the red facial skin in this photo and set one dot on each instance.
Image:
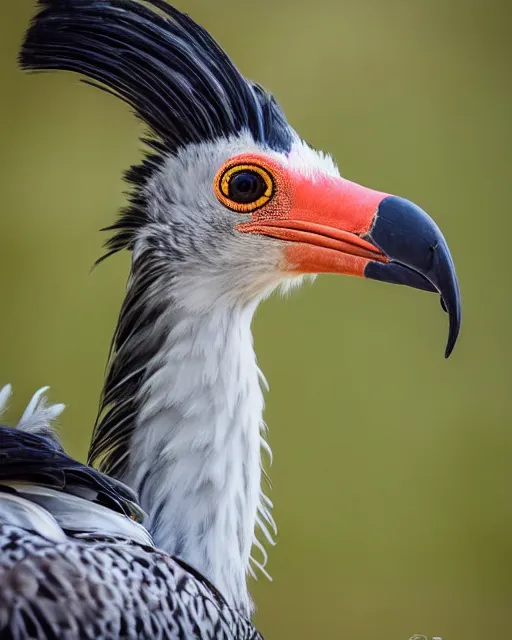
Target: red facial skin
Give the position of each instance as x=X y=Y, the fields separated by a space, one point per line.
x=321 y=217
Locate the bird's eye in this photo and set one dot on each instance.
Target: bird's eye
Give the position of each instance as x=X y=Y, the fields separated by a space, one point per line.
x=245 y=188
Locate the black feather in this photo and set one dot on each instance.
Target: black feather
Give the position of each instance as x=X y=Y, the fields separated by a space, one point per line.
x=25 y=457
x=167 y=68
x=120 y=401
x=157 y=59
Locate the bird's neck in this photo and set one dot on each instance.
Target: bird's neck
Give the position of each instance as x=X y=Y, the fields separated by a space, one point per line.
x=191 y=444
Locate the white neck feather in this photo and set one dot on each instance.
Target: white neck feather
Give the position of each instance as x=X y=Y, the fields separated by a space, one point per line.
x=181 y=414
x=195 y=455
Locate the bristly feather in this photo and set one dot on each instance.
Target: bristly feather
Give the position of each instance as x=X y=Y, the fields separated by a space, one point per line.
x=167 y=68
x=139 y=314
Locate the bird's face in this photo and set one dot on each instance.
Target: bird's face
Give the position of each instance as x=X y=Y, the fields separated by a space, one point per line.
x=245 y=219
x=233 y=203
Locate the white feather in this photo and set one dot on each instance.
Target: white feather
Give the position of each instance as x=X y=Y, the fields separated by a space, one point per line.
x=73 y=513
x=17 y=511
x=39 y=414
x=195 y=456
x=5 y=394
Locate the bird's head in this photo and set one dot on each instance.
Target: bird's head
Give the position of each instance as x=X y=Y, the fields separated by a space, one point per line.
x=232 y=202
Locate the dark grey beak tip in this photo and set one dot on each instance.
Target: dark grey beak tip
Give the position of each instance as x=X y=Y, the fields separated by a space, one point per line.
x=419 y=256
x=444 y=277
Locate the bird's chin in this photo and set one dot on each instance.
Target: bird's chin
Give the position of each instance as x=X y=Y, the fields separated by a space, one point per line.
x=292 y=281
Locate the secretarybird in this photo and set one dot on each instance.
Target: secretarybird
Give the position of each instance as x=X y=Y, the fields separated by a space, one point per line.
x=229 y=204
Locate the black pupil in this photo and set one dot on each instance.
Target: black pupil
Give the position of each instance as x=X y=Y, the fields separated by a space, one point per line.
x=246 y=187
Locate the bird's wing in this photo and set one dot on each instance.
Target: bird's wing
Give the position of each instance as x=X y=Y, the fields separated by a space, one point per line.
x=104 y=590
x=75 y=563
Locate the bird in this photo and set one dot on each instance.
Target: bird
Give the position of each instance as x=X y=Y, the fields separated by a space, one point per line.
x=228 y=204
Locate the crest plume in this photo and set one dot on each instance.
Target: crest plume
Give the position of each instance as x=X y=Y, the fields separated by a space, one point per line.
x=158 y=60
x=169 y=69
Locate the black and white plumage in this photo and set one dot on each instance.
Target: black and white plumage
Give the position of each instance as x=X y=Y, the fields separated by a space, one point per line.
x=75 y=562
x=228 y=205
x=199 y=107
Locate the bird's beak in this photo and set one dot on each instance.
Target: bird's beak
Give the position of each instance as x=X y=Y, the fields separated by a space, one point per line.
x=337 y=226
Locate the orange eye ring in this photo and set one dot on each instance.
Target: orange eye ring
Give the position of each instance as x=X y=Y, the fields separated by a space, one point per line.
x=258 y=183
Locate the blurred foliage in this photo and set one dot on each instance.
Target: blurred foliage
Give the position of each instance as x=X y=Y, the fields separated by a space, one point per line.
x=392 y=473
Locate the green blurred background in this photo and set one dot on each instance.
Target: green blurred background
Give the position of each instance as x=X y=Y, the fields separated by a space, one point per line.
x=392 y=467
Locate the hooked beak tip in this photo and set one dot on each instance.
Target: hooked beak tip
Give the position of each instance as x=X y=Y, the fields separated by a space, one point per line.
x=419 y=256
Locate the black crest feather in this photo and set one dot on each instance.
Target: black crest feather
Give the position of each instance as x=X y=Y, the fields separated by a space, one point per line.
x=167 y=68
x=158 y=60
